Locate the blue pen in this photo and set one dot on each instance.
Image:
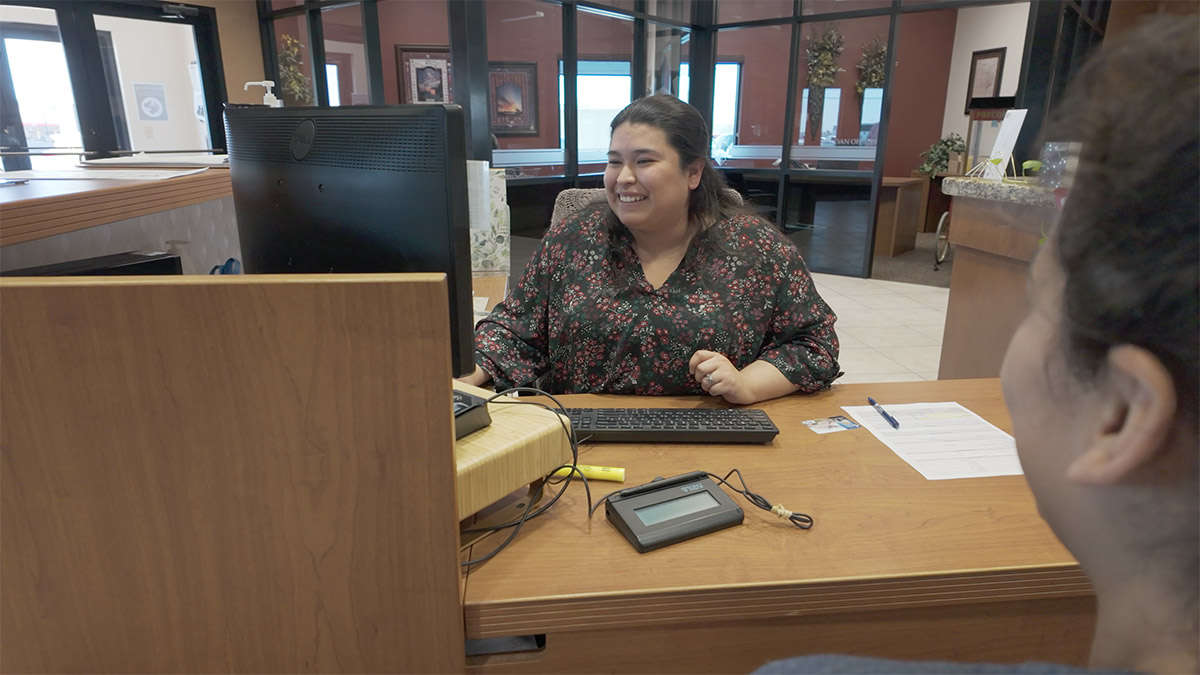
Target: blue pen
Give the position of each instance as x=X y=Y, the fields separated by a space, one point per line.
x=879 y=409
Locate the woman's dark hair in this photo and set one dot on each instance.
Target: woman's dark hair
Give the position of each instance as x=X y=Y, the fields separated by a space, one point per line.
x=687 y=133
x=1127 y=236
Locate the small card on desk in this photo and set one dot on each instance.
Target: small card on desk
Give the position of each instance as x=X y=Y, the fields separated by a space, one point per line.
x=828 y=425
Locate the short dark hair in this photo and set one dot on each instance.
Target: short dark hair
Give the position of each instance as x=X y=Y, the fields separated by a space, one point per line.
x=688 y=135
x=1127 y=236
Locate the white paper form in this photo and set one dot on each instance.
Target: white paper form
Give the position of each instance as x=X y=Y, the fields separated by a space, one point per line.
x=942 y=440
x=479 y=209
x=96 y=174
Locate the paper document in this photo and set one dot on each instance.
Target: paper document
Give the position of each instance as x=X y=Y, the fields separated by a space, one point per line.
x=96 y=174
x=479 y=212
x=170 y=160
x=942 y=440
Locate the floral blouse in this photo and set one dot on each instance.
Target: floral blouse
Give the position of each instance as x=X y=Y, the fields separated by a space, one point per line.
x=585 y=320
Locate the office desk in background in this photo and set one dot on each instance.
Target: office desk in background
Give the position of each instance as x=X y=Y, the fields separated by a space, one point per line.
x=41 y=208
x=895 y=566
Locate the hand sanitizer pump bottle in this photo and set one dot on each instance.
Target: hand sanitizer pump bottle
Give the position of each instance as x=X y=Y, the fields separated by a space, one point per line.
x=269 y=98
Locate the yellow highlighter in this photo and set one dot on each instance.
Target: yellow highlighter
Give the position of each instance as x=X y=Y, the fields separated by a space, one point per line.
x=613 y=473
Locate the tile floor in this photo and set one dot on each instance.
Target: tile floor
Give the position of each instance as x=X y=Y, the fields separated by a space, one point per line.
x=890 y=331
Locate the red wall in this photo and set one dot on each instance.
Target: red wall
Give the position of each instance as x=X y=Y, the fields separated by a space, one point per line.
x=409 y=23
x=919 y=82
x=537 y=40
x=918 y=99
x=920 y=77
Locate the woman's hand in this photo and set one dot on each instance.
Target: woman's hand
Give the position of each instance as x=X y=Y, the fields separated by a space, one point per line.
x=756 y=382
x=719 y=377
x=479 y=378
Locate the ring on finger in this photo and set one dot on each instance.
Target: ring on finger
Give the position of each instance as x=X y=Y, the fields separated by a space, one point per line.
x=709 y=379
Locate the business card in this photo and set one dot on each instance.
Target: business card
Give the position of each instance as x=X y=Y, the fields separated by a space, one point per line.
x=828 y=425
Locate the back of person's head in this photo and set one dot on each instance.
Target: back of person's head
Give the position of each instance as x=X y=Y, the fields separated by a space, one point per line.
x=1120 y=485
x=1127 y=237
x=687 y=134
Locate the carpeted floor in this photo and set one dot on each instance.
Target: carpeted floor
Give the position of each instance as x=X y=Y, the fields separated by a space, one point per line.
x=915 y=266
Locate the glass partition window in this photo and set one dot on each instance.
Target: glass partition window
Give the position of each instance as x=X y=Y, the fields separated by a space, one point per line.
x=157 y=84
x=43 y=116
x=872 y=107
x=812 y=7
x=734 y=11
x=414 y=38
x=295 y=85
x=524 y=42
x=834 y=126
x=726 y=99
x=603 y=82
x=605 y=87
x=345 y=56
x=831 y=106
x=758 y=86
x=667 y=58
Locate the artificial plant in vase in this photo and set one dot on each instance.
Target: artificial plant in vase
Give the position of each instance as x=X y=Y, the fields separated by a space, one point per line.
x=822 y=55
x=294 y=87
x=870 y=69
x=937 y=157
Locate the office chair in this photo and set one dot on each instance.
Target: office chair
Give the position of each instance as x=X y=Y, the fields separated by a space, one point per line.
x=573 y=199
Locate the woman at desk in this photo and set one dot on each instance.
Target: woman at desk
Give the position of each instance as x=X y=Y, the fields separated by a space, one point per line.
x=668 y=288
x=1101 y=377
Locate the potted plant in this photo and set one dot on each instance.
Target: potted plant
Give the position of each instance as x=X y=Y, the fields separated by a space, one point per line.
x=295 y=87
x=822 y=55
x=937 y=157
x=870 y=69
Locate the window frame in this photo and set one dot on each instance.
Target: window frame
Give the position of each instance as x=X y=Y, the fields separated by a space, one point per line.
x=89 y=68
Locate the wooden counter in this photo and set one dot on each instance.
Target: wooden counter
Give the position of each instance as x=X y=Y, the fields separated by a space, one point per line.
x=994 y=229
x=895 y=566
x=899 y=215
x=41 y=208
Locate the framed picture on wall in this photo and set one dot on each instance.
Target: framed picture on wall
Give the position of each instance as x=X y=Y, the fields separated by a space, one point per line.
x=423 y=74
x=512 y=98
x=987 y=66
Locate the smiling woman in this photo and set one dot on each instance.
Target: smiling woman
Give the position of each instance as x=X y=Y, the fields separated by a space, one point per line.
x=668 y=287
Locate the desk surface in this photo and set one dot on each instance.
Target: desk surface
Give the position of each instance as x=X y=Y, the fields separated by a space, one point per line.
x=41 y=208
x=884 y=536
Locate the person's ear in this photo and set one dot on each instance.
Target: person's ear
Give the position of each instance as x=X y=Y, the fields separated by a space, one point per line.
x=1138 y=412
x=694 y=171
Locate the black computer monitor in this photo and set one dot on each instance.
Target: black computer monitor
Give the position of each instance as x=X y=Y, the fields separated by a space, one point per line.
x=356 y=189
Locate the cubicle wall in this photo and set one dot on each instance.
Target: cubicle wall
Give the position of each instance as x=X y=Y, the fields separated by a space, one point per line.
x=227 y=474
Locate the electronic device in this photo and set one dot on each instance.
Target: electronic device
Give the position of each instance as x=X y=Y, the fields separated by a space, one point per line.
x=672 y=425
x=667 y=511
x=116 y=264
x=470 y=413
x=378 y=188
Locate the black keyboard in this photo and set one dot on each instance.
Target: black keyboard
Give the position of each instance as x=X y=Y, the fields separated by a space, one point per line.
x=672 y=425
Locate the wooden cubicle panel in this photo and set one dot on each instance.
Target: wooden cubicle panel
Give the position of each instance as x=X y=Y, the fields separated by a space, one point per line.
x=227 y=474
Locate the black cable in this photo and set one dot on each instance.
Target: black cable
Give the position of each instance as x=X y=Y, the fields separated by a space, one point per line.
x=592 y=509
x=800 y=520
x=502 y=397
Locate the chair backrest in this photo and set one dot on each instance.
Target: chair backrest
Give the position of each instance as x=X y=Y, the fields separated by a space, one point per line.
x=573 y=199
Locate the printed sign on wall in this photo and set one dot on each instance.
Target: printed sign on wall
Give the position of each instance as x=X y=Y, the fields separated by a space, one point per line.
x=151 y=102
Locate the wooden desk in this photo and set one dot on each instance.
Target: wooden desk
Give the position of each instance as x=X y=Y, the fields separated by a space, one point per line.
x=41 y=208
x=899 y=213
x=895 y=566
x=995 y=228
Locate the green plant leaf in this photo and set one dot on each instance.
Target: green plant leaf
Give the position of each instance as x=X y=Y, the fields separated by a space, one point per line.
x=1031 y=165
